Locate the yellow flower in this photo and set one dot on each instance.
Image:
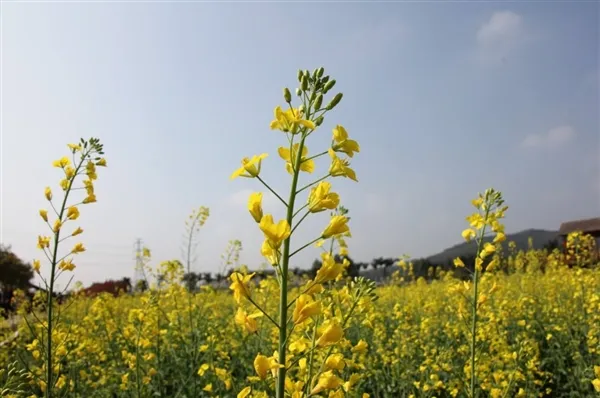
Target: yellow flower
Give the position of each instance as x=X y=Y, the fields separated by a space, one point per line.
x=69 y=172
x=488 y=249
x=272 y=255
x=335 y=362
x=275 y=233
x=468 y=234
x=596 y=384
x=248 y=322
x=340 y=167
x=305 y=308
x=36 y=265
x=208 y=388
x=57 y=225
x=48 y=193
x=329 y=269
x=332 y=333
x=90 y=170
x=361 y=346
x=477 y=202
x=91 y=198
x=78 y=248
x=43 y=242
x=77 y=231
x=202 y=369
x=343 y=144
x=306 y=164
x=240 y=286
x=500 y=237
x=62 y=162
x=72 y=213
x=337 y=225
x=74 y=147
x=263 y=364
x=44 y=215
x=245 y=393
x=327 y=381
x=320 y=198
x=250 y=167
x=255 y=206
x=101 y=162
x=288 y=121
x=458 y=262
x=66 y=265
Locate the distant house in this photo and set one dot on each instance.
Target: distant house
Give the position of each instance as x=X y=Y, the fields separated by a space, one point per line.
x=590 y=226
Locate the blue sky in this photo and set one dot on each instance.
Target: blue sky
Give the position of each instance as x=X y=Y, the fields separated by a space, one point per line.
x=446 y=99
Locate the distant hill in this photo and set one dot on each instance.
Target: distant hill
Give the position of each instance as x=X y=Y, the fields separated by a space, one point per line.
x=540 y=238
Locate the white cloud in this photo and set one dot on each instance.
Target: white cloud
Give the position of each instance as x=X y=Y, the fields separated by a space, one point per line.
x=554 y=137
x=499 y=36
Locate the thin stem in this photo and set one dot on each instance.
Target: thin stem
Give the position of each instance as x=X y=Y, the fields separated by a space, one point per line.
x=302 y=219
x=272 y=191
x=258 y=307
x=474 y=303
x=312 y=352
x=305 y=246
x=316 y=156
x=312 y=183
x=299 y=210
x=284 y=273
x=49 y=381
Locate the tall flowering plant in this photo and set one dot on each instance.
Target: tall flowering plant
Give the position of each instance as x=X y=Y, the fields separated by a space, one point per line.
x=309 y=317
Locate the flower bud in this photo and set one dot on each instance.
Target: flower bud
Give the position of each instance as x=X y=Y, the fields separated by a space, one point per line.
x=328 y=86
x=300 y=73
x=287 y=95
x=319 y=121
x=336 y=100
x=319 y=101
x=301 y=108
x=325 y=79
x=304 y=83
x=315 y=73
x=298 y=92
x=313 y=96
x=320 y=71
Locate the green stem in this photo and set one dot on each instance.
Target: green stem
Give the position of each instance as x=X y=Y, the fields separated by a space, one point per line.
x=299 y=210
x=474 y=304
x=49 y=381
x=305 y=246
x=312 y=183
x=258 y=307
x=284 y=273
x=302 y=219
x=272 y=191
x=316 y=156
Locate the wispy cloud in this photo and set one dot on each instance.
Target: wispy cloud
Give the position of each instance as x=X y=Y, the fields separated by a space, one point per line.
x=499 y=36
x=554 y=137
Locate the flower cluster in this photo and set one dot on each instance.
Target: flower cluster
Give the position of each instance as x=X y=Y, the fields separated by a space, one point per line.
x=309 y=314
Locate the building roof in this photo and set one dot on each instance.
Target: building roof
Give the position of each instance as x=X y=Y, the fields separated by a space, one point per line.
x=589 y=225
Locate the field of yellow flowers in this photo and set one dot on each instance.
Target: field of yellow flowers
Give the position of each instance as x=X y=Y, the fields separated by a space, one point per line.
x=539 y=336
x=524 y=324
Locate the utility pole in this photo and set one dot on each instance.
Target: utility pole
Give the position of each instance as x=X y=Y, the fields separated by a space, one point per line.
x=139 y=274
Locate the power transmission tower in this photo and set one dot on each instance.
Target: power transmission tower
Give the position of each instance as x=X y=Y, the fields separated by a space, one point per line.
x=139 y=273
